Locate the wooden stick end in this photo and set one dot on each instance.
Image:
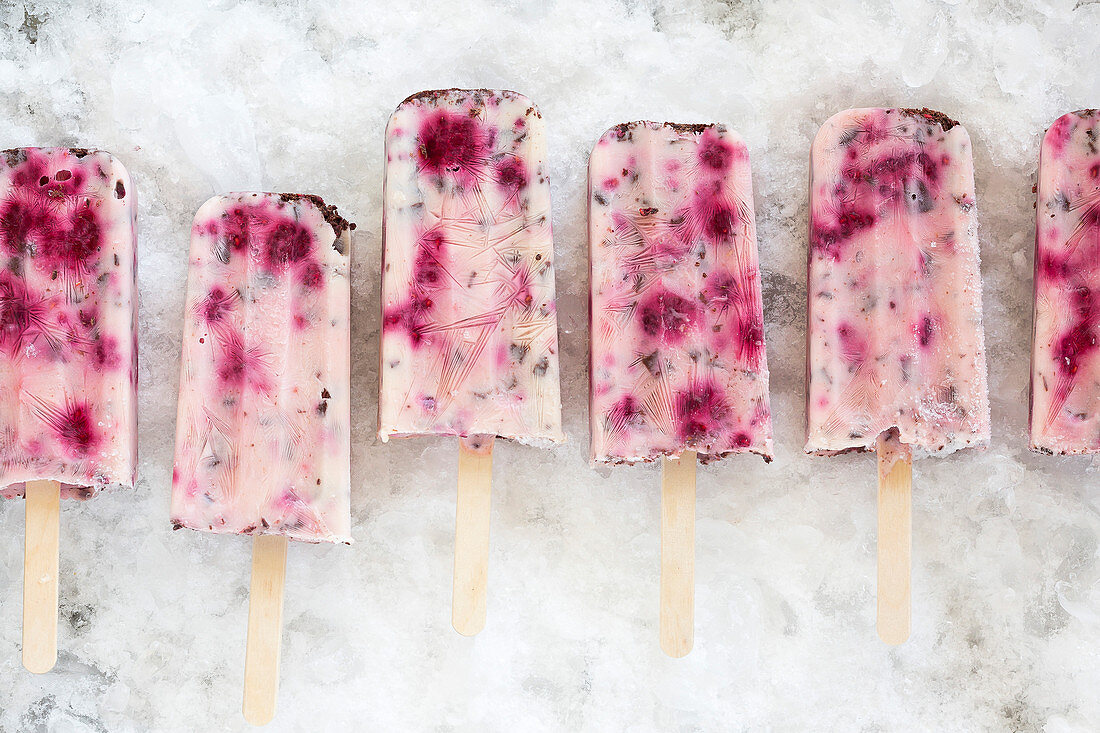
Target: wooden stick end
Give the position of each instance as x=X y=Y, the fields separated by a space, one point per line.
x=39 y=661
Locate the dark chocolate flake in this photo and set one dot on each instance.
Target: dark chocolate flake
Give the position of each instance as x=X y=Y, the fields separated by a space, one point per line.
x=931 y=115
x=518 y=352
x=338 y=223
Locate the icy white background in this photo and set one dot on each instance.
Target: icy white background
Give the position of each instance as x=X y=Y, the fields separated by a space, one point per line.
x=285 y=96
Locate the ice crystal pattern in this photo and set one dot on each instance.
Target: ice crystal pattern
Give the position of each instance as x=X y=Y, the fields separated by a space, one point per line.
x=1065 y=365
x=68 y=351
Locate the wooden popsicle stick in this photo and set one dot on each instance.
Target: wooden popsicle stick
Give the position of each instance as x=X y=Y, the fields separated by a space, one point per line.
x=40 y=560
x=678 y=554
x=895 y=529
x=471 y=574
x=265 y=628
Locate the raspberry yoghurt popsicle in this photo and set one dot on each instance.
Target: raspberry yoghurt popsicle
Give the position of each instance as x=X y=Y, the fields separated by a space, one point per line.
x=678 y=360
x=68 y=352
x=1065 y=361
x=469 y=343
x=263 y=426
x=678 y=366
x=263 y=432
x=67 y=321
x=896 y=354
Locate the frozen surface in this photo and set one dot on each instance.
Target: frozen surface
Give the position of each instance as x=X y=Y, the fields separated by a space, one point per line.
x=276 y=96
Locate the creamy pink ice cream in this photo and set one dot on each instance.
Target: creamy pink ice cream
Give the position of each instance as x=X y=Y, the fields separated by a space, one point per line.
x=469 y=329
x=1065 y=360
x=894 y=329
x=68 y=351
x=263 y=428
x=677 y=351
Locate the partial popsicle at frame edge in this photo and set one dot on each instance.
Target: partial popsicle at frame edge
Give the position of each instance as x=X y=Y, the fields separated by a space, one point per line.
x=469 y=327
x=678 y=364
x=68 y=352
x=264 y=425
x=896 y=352
x=1065 y=359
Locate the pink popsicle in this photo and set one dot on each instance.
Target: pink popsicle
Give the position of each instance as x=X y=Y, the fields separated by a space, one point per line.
x=894 y=331
x=469 y=325
x=677 y=356
x=1065 y=361
x=263 y=427
x=469 y=334
x=68 y=351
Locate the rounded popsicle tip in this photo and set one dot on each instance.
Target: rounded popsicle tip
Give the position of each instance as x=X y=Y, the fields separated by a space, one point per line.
x=453 y=97
x=626 y=130
x=871 y=124
x=455 y=131
x=90 y=162
x=468 y=625
x=258 y=714
x=717 y=145
x=215 y=207
x=58 y=172
x=15 y=156
x=840 y=128
x=1061 y=130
